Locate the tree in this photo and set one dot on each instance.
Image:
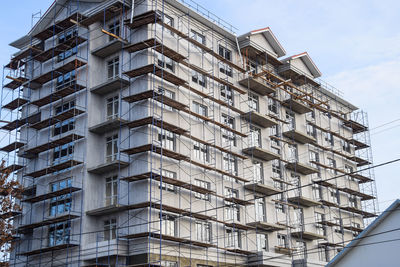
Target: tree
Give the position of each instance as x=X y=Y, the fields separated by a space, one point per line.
x=10 y=192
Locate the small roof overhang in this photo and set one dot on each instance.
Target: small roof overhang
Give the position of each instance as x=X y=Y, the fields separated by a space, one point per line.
x=305 y=57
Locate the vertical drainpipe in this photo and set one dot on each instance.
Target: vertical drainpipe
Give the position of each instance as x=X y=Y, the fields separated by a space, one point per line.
x=132 y=10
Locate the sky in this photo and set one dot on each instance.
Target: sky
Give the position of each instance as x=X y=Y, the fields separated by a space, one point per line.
x=355 y=44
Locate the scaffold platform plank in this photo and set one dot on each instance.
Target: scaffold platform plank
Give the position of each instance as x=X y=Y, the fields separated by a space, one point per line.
x=257 y=85
x=13 y=146
x=49 y=195
x=54 y=168
x=105 y=14
x=48 y=249
x=16 y=103
x=157 y=122
x=60 y=92
x=111 y=85
x=11 y=168
x=157 y=46
x=52 y=143
x=260 y=153
x=23 y=229
x=15 y=83
x=156 y=96
x=355 y=126
x=60 y=48
x=264 y=121
x=159 y=72
x=57 y=118
x=156 y=149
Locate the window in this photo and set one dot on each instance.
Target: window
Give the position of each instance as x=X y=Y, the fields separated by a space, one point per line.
x=273 y=105
x=296 y=182
x=353 y=202
x=259 y=205
x=110 y=229
x=67 y=35
x=338 y=225
x=292 y=157
x=199 y=78
x=314 y=159
x=258 y=172
x=234 y=238
x=334 y=195
x=311 y=130
x=319 y=219
x=59 y=234
x=168 y=21
x=167 y=93
x=64 y=107
x=168 y=224
x=63 y=153
x=349 y=169
x=229 y=163
x=113 y=68
x=275 y=132
x=254 y=138
x=165 y=62
x=66 y=54
x=355 y=226
x=232 y=210
x=201 y=152
x=322 y=253
x=112 y=148
x=198 y=37
x=60 y=204
x=253 y=102
x=346 y=146
x=166 y=186
x=66 y=79
x=112 y=107
x=317 y=191
x=203 y=184
x=329 y=138
x=227 y=54
x=228 y=138
x=111 y=191
x=276 y=168
x=203 y=231
x=167 y=139
x=262 y=242
x=169 y=264
x=301 y=249
x=200 y=109
x=226 y=94
x=114 y=28
x=290 y=119
x=282 y=241
x=332 y=165
x=63 y=127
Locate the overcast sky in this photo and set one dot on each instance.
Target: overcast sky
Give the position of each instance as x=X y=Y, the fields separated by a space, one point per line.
x=355 y=44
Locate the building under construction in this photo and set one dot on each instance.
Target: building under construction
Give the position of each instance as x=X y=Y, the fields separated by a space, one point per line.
x=147 y=133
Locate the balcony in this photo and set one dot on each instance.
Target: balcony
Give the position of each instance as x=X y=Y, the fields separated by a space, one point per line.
x=264 y=189
x=296 y=105
x=258 y=85
x=266 y=226
x=262 y=120
x=15 y=83
x=299 y=136
x=258 y=152
x=302 y=168
x=361 y=178
x=108 y=48
x=360 y=161
x=60 y=48
x=108 y=167
x=157 y=122
x=359 y=211
x=284 y=250
x=111 y=85
x=303 y=201
x=156 y=96
x=108 y=126
x=358 y=144
x=354 y=192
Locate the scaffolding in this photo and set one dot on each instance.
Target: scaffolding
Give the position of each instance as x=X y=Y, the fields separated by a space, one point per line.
x=216 y=152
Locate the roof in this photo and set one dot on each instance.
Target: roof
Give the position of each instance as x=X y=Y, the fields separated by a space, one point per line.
x=394 y=206
x=271 y=38
x=305 y=57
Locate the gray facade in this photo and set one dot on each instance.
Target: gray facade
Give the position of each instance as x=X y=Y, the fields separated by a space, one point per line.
x=165 y=139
